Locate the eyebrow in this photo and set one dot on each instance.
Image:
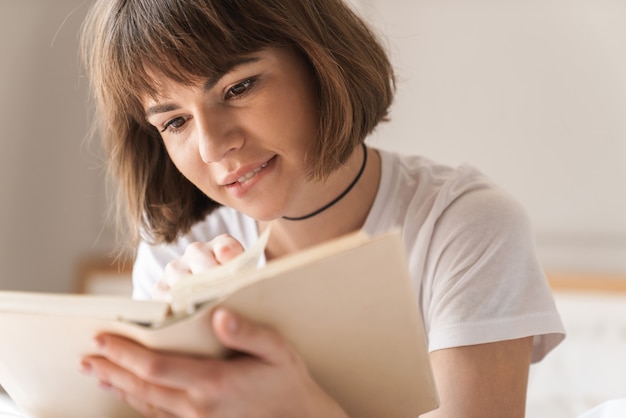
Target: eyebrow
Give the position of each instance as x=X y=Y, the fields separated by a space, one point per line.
x=208 y=85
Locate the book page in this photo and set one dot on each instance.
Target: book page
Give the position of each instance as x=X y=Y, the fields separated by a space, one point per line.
x=94 y=306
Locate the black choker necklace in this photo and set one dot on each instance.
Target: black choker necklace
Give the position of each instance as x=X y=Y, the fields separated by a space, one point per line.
x=338 y=198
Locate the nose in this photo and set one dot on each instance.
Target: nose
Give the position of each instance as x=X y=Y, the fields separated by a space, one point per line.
x=218 y=135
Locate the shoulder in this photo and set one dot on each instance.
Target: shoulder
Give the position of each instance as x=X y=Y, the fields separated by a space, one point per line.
x=420 y=193
x=455 y=219
x=470 y=247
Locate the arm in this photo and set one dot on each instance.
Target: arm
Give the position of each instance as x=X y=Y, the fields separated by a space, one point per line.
x=486 y=285
x=482 y=381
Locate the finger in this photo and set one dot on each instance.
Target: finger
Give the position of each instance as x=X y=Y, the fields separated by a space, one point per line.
x=242 y=335
x=225 y=248
x=161 y=291
x=177 y=267
x=174 y=271
x=200 y=256
x=147 y=398
x=148 y=410
x=171 y=370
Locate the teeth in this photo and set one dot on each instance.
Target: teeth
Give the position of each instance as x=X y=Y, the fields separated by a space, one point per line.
x=251 y=174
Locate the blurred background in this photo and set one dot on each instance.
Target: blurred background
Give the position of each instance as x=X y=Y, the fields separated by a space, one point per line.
x=532 y=93
x=53 y=212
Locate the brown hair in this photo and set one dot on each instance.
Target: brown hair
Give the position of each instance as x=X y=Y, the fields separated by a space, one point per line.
x=187 y=40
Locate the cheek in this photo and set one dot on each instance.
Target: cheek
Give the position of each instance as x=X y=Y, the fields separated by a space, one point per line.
x=186 y=160
x=177 y=154
x=293 y=119
x=191 y=166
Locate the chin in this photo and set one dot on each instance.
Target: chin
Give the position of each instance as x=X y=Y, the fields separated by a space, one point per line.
x=261 y=214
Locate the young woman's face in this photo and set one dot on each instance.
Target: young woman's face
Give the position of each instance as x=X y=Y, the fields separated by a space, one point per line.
x=242 y=139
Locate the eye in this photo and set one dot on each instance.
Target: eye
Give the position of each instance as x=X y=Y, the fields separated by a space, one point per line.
x=240 y=88
x=174 y=125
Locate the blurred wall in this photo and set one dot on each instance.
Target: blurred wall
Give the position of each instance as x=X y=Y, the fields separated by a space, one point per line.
x=532 y=93
x=51 y=181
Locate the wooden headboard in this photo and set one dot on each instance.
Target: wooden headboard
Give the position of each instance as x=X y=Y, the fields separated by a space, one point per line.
x=587 y=282
x=94 y=273
x=104 y=275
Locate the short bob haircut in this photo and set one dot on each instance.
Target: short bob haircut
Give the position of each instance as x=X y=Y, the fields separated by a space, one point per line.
x=190 y=40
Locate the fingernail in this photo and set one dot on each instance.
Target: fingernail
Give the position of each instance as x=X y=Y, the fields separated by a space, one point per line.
x=109 y=388
x=98 y=342
x=85 y=367
x=232 y=323
x=104 y=385
x=230 y=319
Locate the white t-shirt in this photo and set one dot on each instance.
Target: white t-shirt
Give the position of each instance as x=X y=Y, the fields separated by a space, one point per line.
x=470 y=248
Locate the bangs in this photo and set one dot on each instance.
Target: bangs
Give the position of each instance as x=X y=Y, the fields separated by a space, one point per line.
x=183 y=41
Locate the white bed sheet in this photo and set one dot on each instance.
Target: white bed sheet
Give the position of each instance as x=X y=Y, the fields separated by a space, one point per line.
x=589 y=367
x=7 y=407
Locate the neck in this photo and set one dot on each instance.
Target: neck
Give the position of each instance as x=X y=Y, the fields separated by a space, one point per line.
x=339 y=197
x=348 y=214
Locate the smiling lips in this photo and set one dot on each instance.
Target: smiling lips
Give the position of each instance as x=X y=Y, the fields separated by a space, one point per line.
x=251 y=174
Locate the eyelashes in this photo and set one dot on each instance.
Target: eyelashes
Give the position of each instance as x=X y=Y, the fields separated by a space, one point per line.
x=174 y=125
x=240 y=89
x=235 y=92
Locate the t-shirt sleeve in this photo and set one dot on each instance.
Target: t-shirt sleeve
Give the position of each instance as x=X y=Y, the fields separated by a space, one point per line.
x=485 y=281
x=149 y=267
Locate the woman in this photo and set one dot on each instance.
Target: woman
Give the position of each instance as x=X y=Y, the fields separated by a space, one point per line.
x=224 y=117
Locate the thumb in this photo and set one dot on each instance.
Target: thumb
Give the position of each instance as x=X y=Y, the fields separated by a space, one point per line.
x=240 y=334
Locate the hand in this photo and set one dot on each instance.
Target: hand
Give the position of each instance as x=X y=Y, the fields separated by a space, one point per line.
x=198 y=257
x=268 y=378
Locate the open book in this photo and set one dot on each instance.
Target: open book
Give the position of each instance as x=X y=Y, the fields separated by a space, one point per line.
x=348 y=306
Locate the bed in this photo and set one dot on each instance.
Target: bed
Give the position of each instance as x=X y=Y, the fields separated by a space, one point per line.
x=589 y=367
